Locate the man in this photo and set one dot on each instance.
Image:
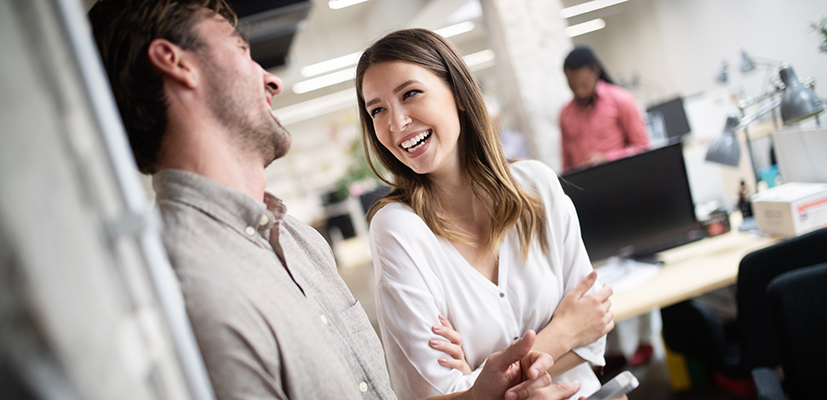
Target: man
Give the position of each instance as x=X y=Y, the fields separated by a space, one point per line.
x=601 y=123
x=271 y=316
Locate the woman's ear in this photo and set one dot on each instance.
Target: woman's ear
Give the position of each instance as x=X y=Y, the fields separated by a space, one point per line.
x=173 y=62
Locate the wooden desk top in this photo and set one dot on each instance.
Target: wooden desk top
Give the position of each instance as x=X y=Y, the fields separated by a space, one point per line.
x=690 y=270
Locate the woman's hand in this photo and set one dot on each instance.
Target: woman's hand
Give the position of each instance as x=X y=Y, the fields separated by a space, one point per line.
x=453 y=347
x=585 y=318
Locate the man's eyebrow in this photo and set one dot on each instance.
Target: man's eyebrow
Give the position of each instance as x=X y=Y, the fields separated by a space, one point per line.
x=241 y=35
x=395 y=90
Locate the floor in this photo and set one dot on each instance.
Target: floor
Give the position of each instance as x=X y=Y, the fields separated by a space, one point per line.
x=653 y=377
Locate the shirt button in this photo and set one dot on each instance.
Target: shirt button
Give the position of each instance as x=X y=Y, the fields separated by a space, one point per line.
x=323 y=318
x=250 y=231
x=264 y=220
x=363 y=387
x=516 y=338
x=502 y=294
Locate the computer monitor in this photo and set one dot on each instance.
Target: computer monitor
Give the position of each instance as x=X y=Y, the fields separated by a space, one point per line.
x=673 y=116
x=634 y=206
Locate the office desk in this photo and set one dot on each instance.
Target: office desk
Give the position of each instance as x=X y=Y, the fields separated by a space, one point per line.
x=691 y=270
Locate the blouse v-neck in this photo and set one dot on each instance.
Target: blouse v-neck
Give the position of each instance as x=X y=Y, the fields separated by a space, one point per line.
x=475 y=274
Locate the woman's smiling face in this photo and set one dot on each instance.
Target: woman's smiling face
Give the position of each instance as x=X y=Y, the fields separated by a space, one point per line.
x=414 y=114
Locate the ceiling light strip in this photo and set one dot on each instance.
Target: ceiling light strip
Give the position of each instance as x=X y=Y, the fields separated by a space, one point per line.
x=586 y=27
x=353 y=58
x=324 y=81
x=339 y=4
x=456 y=29
x=588 y=7
x=331 y=65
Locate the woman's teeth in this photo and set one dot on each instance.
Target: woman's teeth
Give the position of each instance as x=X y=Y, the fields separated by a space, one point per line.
x=414 y=143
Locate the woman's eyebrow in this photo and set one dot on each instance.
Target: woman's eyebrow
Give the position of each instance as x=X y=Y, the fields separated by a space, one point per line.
x=396 y=90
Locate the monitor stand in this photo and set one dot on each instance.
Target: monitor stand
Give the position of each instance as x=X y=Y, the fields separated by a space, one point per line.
x=626 y=274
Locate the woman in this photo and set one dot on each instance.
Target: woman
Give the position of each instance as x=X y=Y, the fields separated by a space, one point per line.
x=493 y=247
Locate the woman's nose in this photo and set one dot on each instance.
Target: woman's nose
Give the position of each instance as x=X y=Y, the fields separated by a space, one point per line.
x=399 y=119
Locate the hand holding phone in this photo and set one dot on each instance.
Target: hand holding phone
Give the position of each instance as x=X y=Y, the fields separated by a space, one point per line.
x=623 y=383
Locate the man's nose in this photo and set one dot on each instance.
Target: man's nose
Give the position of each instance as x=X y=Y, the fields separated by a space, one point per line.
x=273 y=83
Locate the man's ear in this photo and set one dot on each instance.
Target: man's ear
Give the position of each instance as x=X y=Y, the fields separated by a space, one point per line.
x=173 y=62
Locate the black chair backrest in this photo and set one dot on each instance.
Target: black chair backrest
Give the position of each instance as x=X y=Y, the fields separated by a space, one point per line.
x=798 y=307
x=757 y=269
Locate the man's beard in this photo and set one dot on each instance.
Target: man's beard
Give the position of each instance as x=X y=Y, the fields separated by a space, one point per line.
x=253 y=133
x=585 y=102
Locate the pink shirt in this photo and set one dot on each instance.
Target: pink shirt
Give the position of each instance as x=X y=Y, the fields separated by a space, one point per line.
x=611 y=125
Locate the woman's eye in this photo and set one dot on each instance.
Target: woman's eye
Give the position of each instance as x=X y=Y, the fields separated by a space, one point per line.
x=375 y=111
x=410 y=93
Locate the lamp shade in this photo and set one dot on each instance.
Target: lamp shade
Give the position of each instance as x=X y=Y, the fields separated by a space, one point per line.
x=725 y=149
x=747 y=63
x=798 y=102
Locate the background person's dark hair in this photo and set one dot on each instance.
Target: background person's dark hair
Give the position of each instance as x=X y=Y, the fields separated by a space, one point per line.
x=583 y=56
x=123 y=30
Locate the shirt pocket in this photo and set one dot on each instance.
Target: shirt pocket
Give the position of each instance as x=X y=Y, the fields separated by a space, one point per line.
x=364 y=341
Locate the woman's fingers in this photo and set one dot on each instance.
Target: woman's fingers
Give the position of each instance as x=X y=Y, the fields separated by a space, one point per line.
x=448 y=332
x=460 y=365
x=448 y=348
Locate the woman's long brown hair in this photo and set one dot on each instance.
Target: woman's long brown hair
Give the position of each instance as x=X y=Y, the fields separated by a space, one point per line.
x=480 y=150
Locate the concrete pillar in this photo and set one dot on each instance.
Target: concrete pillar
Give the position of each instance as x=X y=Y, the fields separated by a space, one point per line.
x=529 y=41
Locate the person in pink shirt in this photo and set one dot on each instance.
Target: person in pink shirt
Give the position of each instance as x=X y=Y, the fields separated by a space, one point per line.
x=602 y=122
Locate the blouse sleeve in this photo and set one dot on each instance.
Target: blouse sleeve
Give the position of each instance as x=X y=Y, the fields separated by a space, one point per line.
x=409 y=299
x=565 y=228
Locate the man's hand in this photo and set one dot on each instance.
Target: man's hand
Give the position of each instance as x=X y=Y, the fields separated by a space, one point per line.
x=514 y=372
x=585 y=318
x=557 y=391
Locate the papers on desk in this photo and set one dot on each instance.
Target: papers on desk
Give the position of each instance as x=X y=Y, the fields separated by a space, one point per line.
x=626 y=275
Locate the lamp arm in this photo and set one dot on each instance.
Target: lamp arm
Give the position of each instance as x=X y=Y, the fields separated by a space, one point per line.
x=761 y=111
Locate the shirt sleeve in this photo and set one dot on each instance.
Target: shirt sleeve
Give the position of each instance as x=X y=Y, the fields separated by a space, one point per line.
x=565 y=229
x=564 y=142
x=632 y=124
x=408 y=301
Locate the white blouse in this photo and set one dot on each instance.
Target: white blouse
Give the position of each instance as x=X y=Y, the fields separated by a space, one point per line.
x=420 y=275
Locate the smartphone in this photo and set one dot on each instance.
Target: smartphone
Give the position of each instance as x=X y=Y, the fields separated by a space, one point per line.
x=623 y=383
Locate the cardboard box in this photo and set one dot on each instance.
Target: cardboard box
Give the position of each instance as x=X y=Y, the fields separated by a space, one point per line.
x=791 y=209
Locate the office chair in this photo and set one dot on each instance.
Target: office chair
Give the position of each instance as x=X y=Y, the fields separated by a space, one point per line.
x=735 y=348
x=798 y=310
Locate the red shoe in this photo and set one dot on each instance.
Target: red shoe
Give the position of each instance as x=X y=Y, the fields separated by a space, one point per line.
x=643 y=355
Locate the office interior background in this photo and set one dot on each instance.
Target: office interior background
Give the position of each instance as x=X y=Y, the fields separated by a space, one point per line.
x=656 y=49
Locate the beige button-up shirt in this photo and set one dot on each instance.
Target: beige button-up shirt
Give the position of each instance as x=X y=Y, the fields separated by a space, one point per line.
x=271 y=315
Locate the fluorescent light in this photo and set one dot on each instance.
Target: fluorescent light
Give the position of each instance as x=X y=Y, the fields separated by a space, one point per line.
x=457 y=29
x=316 y=107
x=586 y=27
x=587 y=7
x=337 y=4
x=473 y=59
x=331 y=65
x=324 y=81
x=479 y=58
x=353 y=58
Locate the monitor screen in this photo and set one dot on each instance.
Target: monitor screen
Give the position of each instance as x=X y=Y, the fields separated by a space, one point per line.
x=673 y=116
x=637 y=205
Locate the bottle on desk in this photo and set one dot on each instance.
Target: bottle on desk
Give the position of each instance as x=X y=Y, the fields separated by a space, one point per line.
x=743 y=201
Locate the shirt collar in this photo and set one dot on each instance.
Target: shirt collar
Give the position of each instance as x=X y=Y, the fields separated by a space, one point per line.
x=600 y=89
x=241 y=212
